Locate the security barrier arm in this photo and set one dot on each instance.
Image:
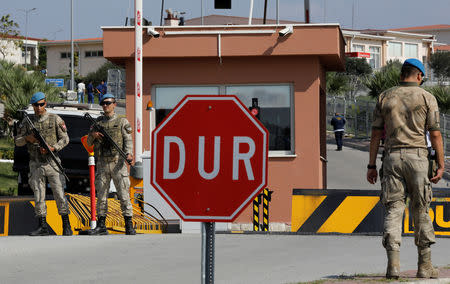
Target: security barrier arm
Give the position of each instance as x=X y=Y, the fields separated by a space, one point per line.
x=44 y=144
x=108 y=138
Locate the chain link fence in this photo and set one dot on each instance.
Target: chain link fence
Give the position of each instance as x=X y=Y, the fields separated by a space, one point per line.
x=358 y=115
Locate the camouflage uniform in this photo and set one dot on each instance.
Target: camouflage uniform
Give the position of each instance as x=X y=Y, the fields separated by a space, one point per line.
x=407 y=111
x=53 y=130
x=110 y=165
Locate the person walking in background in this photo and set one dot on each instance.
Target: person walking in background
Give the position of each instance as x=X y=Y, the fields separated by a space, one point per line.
x=90 y=92
x=338 y=123
x=101 y=90
x=408 y=112
x=80 y=92
x=42 y=168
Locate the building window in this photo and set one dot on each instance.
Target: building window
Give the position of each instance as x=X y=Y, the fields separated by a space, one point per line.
x=275 y=111
x=94 y=53
x=358 y=48
x=395 y=49
x=374 y=60
x=275 y=102
x=167 y=97
x=65 y=55
x=411 y=50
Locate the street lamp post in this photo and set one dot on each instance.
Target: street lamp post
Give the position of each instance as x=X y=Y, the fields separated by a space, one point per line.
x=26 y=33
x=72 y=76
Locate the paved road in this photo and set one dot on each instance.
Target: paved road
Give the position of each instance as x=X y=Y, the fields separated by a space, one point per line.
x=347 y=169
x=175 y=258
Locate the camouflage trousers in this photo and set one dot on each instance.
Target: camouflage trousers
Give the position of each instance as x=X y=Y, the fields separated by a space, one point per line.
x=116 y=170
x=405 y=174
x=39 y=172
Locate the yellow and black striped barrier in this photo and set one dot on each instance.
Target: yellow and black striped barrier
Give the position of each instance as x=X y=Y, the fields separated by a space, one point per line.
x=17 y=216
x=265 y=197
x=356 y=212
x=256 y=203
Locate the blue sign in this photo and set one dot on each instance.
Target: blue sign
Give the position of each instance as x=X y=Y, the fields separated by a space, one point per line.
x=55 y=82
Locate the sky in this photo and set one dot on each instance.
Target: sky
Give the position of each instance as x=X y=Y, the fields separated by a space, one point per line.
x=51 y=19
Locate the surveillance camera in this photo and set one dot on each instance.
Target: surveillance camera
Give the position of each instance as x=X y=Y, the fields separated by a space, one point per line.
x=152 y=32
x=287 y=30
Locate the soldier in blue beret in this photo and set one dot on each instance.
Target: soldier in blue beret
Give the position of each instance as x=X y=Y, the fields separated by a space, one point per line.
x=42 y=167
x=407 y=112
x=111 y=166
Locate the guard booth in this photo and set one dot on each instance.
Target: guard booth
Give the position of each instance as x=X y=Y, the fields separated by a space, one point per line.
x=281 y=73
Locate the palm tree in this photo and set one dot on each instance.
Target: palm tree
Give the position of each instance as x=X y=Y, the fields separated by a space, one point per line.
x=386 y=78
x=16 y=88
x=442 y=94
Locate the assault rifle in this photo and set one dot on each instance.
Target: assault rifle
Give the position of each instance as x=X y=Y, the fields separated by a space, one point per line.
x=109 y=141
x=44 y=144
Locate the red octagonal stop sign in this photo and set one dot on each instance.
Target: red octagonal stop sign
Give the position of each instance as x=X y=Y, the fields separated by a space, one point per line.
x=209 y=158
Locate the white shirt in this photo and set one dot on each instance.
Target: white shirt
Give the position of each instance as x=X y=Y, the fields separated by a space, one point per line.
x=81 y=87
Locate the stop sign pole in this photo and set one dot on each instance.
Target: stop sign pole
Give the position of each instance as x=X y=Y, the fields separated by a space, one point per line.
x=209 y=161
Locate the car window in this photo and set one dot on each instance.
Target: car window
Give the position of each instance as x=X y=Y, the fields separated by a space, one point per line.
x=77 y=126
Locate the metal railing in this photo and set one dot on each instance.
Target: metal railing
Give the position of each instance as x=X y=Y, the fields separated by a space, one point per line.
x=358 y=115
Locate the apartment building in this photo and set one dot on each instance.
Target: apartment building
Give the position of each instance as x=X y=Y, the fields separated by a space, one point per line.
x=88 y=56
x=26 y=53
x=441 y=32
x=381 y=46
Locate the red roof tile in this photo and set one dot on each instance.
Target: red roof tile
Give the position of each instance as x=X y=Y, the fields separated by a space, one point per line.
x=75 y=40
x=22 y=37
x=425 y=28
x=442 y=47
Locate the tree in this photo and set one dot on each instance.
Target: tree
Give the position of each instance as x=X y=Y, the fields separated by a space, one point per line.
x=442 y=95
x=337 y=84
x=17 y=86
x=440 y=63
x=357 y=70
x=42 y=57
x=101 y=74
x=357 y=66
x=350 y=81
x=8 y=28
x=386 y=78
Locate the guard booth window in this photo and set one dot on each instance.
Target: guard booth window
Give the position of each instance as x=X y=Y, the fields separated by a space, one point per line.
x=167 y=97
x=274 y=102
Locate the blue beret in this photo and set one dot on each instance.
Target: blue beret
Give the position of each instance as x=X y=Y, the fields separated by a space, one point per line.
x=416 y=63
x=106 y=96
x=37 y=97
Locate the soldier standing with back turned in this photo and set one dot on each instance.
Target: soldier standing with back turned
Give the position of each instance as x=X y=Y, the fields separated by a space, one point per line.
x=110 y=165
x=53 y=129
x=408 y=112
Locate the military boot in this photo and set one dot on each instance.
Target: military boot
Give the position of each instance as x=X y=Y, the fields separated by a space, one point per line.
x=42 y=230
x=129 y=230
x=425 y=268
x=393 y=267
x=67 y=230
x=100 y=229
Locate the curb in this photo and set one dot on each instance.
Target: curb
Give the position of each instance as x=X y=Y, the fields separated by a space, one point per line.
x=431 y=281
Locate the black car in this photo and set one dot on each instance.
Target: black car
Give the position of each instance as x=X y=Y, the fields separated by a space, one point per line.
x=74 y=157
